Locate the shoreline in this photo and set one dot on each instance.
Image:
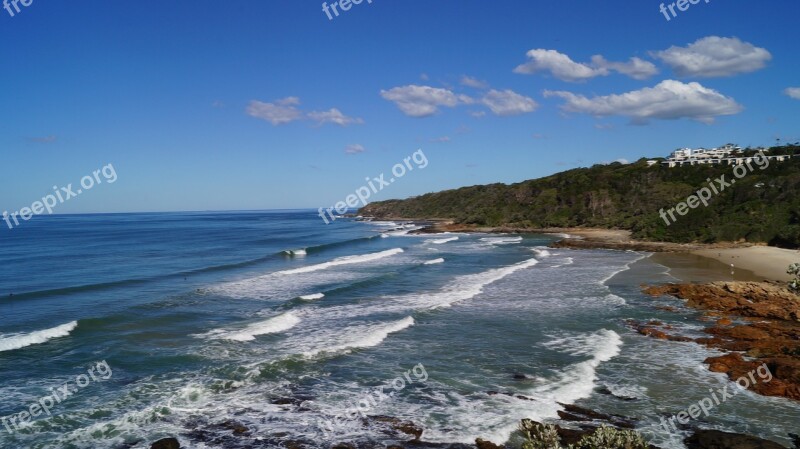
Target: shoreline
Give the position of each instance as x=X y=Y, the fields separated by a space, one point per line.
x=751 y=262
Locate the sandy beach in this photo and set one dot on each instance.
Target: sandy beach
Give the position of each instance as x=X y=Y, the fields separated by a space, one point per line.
x=765 y=261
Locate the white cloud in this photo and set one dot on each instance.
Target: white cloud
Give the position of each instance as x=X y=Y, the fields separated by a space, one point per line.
x=354 y=149
x=636 y=68
x=473 y=82
x=793 y=92
x=333 y=116
x=278 y=113
x=508 y=102
x=423 y=101
x=564 y=68
x=286 y=111
x=559 y=65
x=668 y=100
x=714 y=56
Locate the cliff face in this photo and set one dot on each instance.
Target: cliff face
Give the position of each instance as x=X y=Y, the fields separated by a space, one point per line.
x=763 y=206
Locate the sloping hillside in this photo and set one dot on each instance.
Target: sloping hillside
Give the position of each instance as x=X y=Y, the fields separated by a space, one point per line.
x=762 y=206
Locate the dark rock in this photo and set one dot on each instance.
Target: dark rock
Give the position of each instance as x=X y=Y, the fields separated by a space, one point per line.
x=237 y=428
x=714 y=439
x=344 y=446
x=166 y=443
x=580 y=414
x=604 y=390
x=520 y=376
x=795 y=439
x=405 y=427
x=484 y=444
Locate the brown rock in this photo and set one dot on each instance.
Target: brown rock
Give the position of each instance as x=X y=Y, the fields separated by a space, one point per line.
x=483 y=444
x=406 y=427
x=772 y=337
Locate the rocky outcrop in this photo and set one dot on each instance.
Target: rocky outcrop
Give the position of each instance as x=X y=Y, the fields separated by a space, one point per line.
x=749 y=299
x=770 y=335
x=166 y=443
x=714 y=439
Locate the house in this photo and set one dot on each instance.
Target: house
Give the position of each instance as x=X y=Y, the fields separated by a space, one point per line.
x=730 y=154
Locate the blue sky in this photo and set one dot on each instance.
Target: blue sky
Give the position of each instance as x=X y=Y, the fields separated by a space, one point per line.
x=204 y=105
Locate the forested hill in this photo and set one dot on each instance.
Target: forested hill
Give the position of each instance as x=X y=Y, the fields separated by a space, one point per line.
x=762 y=206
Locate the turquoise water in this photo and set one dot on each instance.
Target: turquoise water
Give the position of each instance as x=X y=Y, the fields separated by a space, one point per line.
x=280 y=323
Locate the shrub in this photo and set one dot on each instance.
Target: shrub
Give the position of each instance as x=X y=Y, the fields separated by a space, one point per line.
x=794 y=270
x=610 y=438
x=539 y=436
x=545 y=436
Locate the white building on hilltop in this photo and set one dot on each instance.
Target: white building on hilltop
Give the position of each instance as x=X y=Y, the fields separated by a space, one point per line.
x=729 y=154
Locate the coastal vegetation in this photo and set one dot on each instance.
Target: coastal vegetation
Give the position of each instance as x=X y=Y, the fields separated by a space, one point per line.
x=762 y=207
x=545 y=436
x=794 y=284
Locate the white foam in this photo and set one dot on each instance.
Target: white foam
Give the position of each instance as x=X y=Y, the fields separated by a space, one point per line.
x=273 y=325
x=295 y=252
x=347 y=260
x=541 y=252
x=11 y=342
x=578 y=381
x=312 y=297
x=434 y=261
x=361 y=337
x=441 y=241
x=501 y=240
x=495 y=418
x=566 y=261
x=461 y=288
x=624 y=268
x=390 y=224
x=273 y=286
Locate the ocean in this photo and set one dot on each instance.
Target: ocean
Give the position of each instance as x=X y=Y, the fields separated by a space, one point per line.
x=259 y=329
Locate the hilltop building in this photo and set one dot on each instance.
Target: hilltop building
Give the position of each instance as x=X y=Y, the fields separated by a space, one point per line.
x=729 y=154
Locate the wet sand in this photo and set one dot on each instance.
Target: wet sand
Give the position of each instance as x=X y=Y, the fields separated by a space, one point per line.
x=687 y=267
x=767 y=262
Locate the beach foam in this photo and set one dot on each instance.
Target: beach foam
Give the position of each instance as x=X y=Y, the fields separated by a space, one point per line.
x=365 y=336
x=11 y=342
x=346 y=260
x=441 y=241
x=434 y=261
x=273 y=325
x=578 y=381
x=312 y=297
x=501 y=240
x=541 y=252
x=295 y=252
